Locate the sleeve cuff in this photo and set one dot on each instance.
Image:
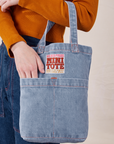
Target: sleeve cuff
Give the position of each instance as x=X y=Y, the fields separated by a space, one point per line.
x=22 y=3
x=11 y=41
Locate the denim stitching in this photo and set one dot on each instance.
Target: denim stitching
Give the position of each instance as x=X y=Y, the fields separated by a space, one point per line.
x=12 y=92
x=53 y=111
x=87 y=53
x=16 y=129
x=56 y=50
x=53 y=85
x=2 y=115
x=53 y=104
x=8 y=78
x=68 y=50
x=75 y=46
x=12 y=99
x=41 y=46
x=53 y=82
x=41 y=49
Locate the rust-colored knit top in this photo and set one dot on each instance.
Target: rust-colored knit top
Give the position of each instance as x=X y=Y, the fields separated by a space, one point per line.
x=30 y=17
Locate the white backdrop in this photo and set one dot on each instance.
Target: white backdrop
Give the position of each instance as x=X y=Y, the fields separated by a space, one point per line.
x=101 y=79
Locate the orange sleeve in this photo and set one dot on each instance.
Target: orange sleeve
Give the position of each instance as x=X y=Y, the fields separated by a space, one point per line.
x=57 y=11
x=8 y=32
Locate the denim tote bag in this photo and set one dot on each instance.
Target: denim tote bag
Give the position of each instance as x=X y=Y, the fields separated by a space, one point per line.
x=54 y=106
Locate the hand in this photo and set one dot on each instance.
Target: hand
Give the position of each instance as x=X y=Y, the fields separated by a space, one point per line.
x=27 y=60
x=7 y=3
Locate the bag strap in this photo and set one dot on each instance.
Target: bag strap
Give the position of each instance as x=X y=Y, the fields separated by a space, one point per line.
x=73 y=29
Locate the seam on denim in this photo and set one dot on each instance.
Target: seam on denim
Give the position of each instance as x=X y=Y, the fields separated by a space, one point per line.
x=53 y=137
x=12 y=96
x=1 y=88
x=2 y=115
x=56 y=50
x=53 y=110
x=41 y=46
x=68 y=50
x=16 y=129
x=76 y=46
x=12 y=91
x=58 y=78
x=78 y=49
x=86 y=53
x=52 y=86
x=41 y=49
x=8 y=77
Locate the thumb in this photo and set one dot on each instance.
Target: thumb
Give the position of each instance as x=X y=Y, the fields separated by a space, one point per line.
x=5 y=6
x=40 y=64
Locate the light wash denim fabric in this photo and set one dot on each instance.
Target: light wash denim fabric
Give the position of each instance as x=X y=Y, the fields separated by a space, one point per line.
x=54 y=106
x=10 y=96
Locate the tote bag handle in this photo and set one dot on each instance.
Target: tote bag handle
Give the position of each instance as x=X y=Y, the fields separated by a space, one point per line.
x=73 y=29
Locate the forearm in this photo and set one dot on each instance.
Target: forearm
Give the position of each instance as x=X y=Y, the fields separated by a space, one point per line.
x=57 y=11
x=8 y=32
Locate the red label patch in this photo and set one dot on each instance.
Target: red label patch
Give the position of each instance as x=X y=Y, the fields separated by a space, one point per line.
x=55 y=63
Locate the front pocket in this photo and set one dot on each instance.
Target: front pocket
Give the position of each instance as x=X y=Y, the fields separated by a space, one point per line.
x=53 y=110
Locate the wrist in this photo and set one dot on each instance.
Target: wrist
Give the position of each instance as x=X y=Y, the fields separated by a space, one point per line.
x=15 y=46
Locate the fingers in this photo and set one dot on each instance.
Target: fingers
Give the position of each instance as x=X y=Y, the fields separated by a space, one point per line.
x=4 y=5
x=35 y=73
x=28 y=74
x=21 y=74
x=27 y=61
x=40 y=65
x=31 y=71
x=2 y=2
x=35 y=70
